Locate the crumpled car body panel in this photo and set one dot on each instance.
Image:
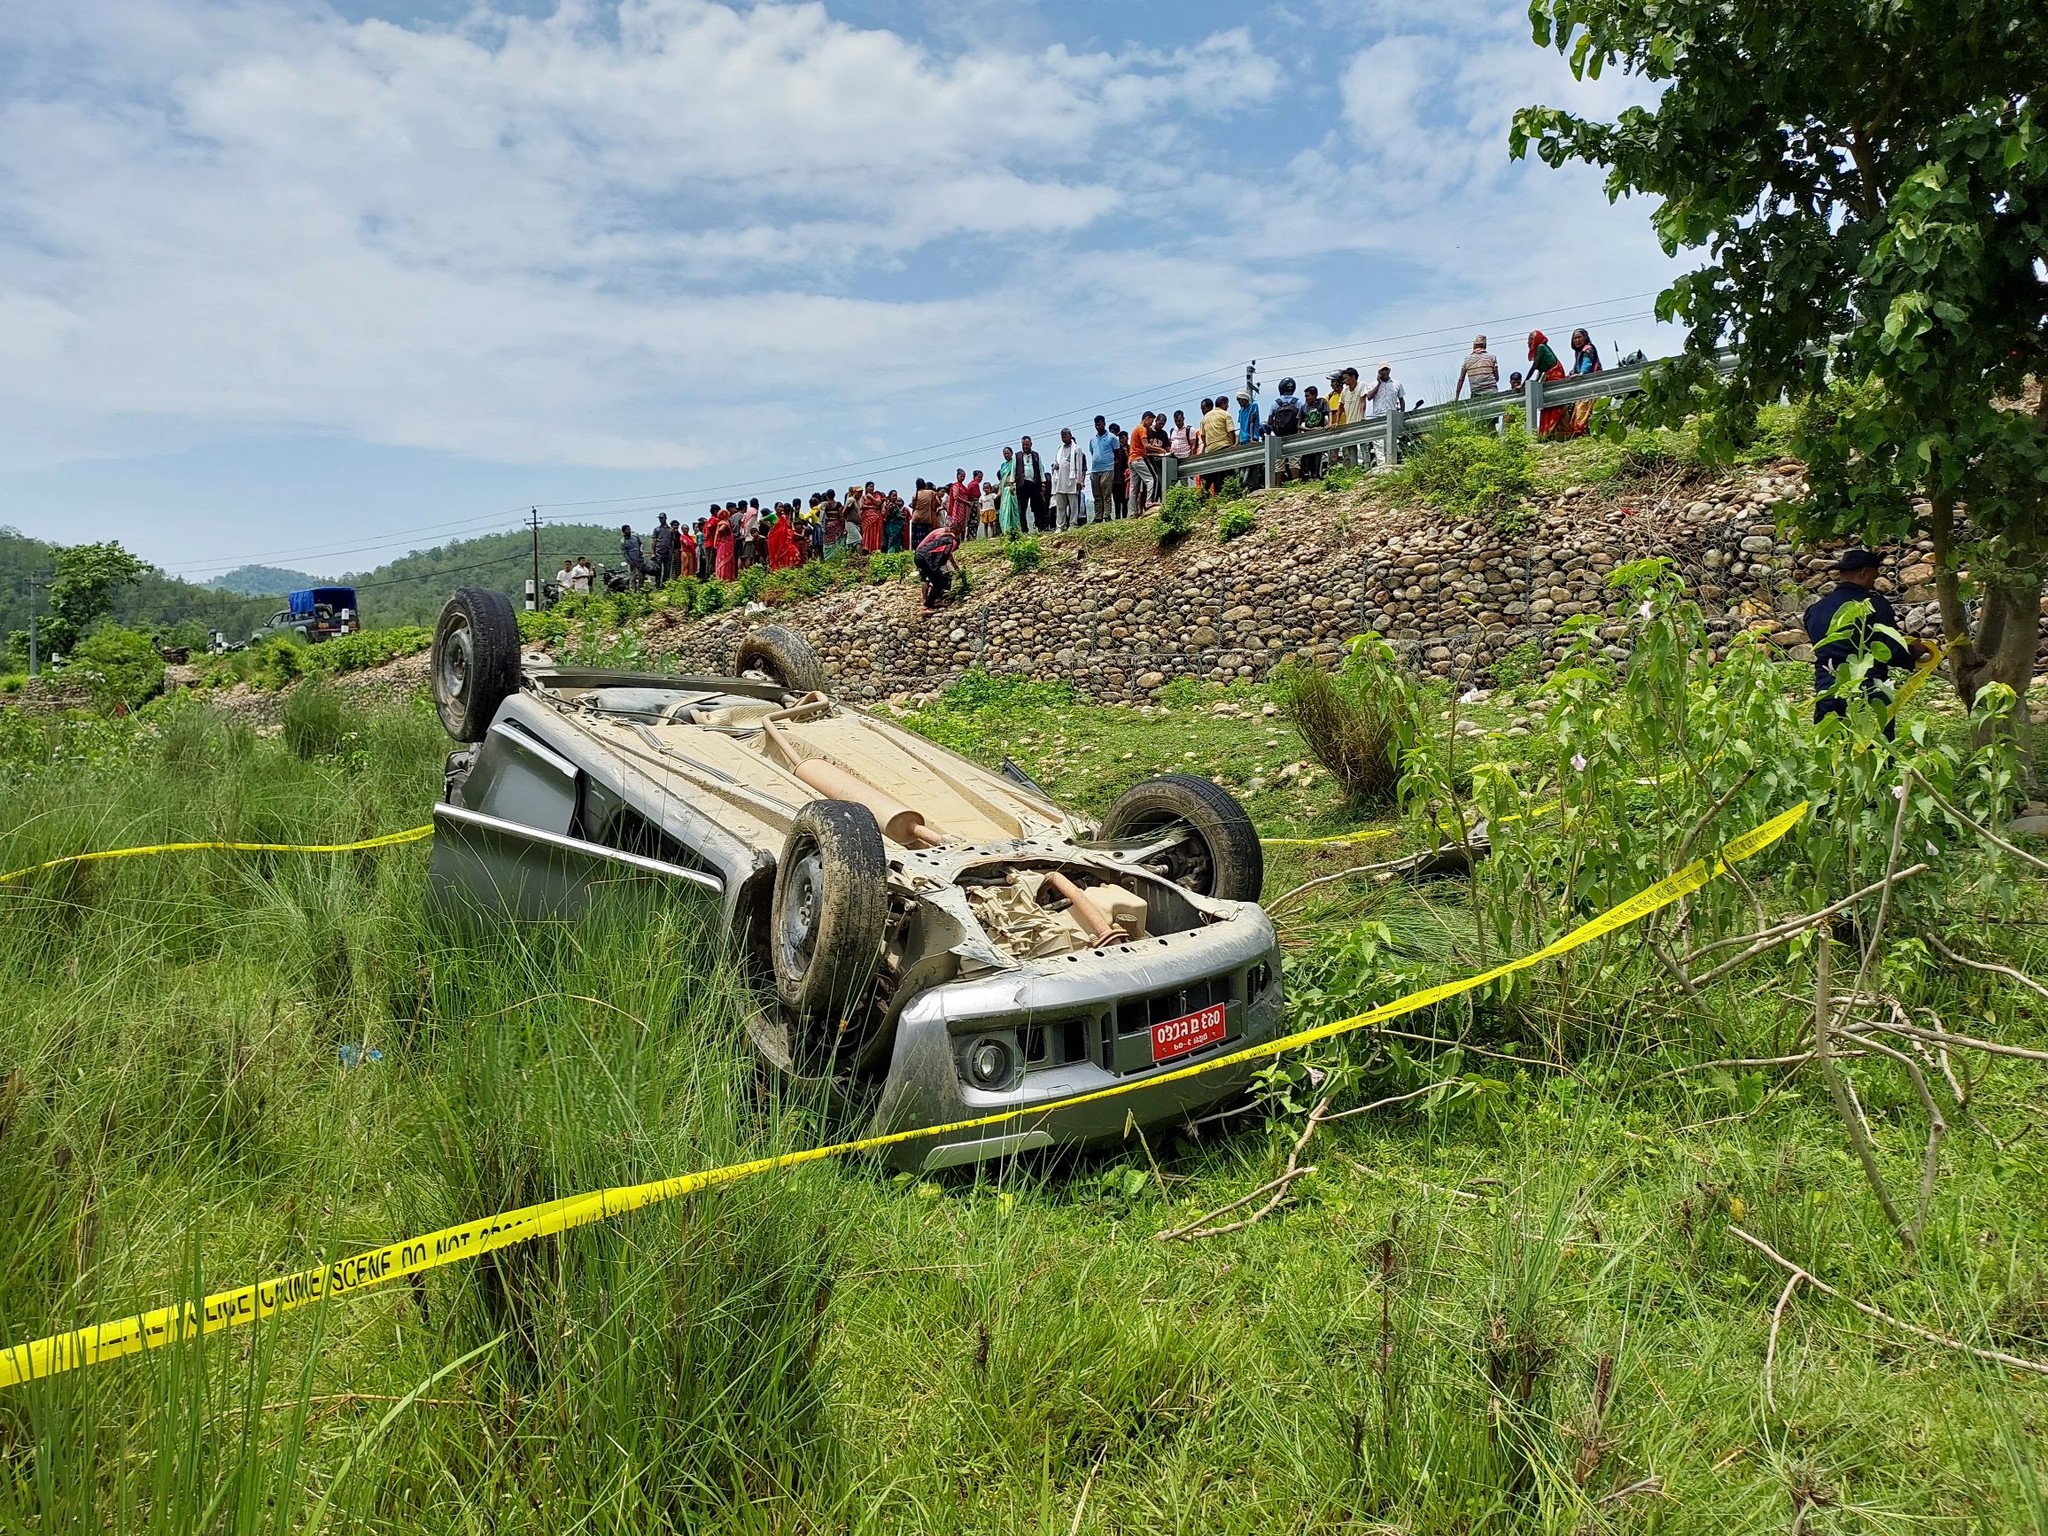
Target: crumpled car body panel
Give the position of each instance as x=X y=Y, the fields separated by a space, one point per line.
x=588 y=779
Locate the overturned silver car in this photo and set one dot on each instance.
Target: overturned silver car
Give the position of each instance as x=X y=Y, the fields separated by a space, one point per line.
x=932 y=937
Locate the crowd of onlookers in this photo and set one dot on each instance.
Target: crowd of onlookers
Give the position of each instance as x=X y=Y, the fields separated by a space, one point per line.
x=1111 y=474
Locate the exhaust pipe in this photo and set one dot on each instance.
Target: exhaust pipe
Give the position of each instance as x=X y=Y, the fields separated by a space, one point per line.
x=900 y=823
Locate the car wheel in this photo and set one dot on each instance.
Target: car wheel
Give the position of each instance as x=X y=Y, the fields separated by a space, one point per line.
x=475 y=661
x=782 y=656
x=1220 y=857
x=826 y=919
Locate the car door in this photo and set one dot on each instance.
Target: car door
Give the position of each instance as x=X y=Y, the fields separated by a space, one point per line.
x=510 y=841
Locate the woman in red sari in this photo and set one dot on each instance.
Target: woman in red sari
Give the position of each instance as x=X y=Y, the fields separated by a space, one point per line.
x=962 y=504
x=784 y=552
x=871 y=520
x=1544 y=365
x=724 y=550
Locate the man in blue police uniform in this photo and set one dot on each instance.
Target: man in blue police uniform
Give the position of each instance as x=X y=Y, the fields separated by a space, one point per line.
x=1857 y=583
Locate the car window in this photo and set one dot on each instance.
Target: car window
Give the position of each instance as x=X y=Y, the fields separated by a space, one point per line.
x=607 y=819
x=520 y=780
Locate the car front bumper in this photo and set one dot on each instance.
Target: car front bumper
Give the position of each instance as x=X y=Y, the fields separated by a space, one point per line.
x=1076 y=1025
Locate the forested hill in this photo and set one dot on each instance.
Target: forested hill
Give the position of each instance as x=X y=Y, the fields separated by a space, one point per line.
x=409 y=590
x=263 y=580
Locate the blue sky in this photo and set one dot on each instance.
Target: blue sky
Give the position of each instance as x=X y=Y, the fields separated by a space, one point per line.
x=314 y=284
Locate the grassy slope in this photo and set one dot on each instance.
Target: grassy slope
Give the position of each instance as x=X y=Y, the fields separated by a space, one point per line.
x=1419 y=1343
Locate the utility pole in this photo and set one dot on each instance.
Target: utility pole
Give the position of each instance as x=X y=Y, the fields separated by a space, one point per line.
x=533 y=586
x=35 y=668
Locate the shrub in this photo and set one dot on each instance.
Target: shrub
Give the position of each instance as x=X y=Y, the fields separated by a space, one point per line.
x=1359 y=722
x=1519 y=664
x=1235 y=522
x=1471 y=471
x=1644 y=456
x=978 y=689
x=368 y=648
x=897 y=565
x=1026 y=554
x=272 y=661
x=315 y=720
x=119 y=667
x=1179 y=512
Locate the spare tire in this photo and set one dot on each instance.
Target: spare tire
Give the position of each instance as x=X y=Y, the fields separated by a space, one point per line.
x=826 y=922
x=475 y=660
x=782 y=656
x=1221 y=857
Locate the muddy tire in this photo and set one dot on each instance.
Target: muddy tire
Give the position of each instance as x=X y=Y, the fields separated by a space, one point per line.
x=475 y=660
x=782 y=656
x=826 y=919
x=1222 y=858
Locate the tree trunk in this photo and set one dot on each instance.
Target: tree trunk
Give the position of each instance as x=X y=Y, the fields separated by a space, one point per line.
x=2008 y=636
x=2008 y=619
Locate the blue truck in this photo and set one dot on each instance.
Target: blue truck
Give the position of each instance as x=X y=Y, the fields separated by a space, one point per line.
x=316 y=613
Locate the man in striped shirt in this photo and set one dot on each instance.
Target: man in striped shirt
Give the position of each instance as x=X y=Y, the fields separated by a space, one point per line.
x=1481 y=370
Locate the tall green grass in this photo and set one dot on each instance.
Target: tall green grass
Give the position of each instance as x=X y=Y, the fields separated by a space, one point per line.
x=1509 y=1306
x=223 y=1067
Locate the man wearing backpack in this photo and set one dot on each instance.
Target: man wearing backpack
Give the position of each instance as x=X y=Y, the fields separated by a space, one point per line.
x=1284 y=422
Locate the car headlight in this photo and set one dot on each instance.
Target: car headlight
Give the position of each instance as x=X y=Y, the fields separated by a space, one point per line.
x=989 y=1063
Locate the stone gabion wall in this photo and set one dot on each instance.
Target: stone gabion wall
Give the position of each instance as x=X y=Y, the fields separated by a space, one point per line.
x=1119 y=620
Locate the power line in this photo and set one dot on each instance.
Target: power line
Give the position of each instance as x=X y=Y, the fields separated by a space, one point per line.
x=460 y=570
x=915 y=455
x=904 y=458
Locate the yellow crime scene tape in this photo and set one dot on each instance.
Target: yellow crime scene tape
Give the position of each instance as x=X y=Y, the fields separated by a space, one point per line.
x=388 y=840
x=1935 y=656
x=381 y=1266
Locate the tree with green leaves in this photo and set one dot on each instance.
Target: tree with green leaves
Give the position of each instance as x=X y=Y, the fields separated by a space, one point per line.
x=1870 y=181
x=82 y=591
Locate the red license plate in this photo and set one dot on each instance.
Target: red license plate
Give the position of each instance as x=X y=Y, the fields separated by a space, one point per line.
x=1189 y=1032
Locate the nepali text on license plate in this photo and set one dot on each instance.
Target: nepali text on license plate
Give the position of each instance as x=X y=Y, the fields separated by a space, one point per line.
x=1189 y=1032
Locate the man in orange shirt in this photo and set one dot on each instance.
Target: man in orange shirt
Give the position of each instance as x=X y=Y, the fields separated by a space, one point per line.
x=1141 y=468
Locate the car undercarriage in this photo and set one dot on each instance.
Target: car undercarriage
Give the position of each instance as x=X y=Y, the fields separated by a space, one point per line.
x=936 y=940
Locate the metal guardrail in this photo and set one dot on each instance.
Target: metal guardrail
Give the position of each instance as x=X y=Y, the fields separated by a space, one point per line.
x=1380 y=437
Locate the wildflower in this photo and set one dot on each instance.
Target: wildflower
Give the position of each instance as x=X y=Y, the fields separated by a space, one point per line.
x=1645 y=610
x=1898 y=792
x=1578 y=762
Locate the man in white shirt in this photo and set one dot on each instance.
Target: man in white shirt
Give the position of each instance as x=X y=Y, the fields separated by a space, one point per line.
x=1386 y=394
x=1069 y=474
x=1384 y=398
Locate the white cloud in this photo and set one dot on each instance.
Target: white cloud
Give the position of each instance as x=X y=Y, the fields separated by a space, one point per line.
x=524 y=238
x=679 y=235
